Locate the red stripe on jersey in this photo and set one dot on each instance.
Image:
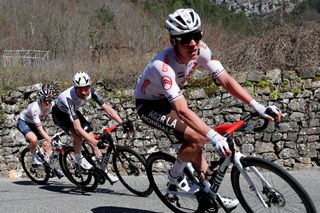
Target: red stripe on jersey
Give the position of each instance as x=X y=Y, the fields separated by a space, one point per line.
x=217 y=74
x=174 y=98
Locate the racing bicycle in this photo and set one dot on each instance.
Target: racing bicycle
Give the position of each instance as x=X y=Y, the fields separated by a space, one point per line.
x=259 y=185
x=127 y=164
x=40 y=173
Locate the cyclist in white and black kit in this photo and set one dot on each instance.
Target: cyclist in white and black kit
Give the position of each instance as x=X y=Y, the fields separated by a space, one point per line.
x=66 y=115
x=161 y=104
x=30 y=125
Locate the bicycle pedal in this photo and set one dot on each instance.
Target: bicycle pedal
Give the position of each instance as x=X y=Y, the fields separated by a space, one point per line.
x=51 y=175
x=34 y=165
x=171 y=187
x=101 y=180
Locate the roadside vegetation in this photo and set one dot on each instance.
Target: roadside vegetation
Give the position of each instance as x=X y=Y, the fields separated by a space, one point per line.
x=113 y=40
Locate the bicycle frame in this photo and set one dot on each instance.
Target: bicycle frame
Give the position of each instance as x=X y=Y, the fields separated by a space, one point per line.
x=235 y=159
x=224 y=163
x=101 y=165
x=49 y=164
x=55 y=138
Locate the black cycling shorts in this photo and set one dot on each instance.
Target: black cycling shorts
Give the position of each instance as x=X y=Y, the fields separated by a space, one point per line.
x=62 y=120
x=160 y=114
x=25 y=128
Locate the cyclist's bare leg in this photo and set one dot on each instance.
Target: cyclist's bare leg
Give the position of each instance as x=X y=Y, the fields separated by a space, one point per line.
x=77 y=141
x=192 y=151
x=200 y=163
x=95 y=149
x=47 y=148
x=192 y=145
x=32 y=139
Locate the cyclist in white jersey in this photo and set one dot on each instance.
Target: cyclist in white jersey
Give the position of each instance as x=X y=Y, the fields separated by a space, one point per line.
x=30 y=120
x=161 y=104
x=66 y=115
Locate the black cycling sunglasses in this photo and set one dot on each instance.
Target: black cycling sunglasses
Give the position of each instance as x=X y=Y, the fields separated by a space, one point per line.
x=186 y=38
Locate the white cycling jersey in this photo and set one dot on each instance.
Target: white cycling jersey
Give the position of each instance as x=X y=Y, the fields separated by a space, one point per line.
x=68 y=101
x=34 y=114
x=164 y=75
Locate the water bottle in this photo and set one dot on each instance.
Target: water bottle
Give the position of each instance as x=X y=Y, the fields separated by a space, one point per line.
x=41 y=155
x=53 y=157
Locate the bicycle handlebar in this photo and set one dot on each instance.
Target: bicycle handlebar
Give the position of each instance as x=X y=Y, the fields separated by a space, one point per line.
x=127 y=126
x=57 y=135
x=227 y=129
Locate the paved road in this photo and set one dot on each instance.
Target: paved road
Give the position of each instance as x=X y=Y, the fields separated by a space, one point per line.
x=21 y=195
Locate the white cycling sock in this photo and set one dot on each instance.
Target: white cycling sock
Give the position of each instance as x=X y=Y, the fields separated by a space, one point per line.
x=207 y=185
x=78 y=157
x=178 y=167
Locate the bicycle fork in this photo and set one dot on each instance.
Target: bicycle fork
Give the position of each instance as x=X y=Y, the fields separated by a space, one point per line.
x=252 y=187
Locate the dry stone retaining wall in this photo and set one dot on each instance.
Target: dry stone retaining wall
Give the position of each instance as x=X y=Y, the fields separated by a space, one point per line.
x=294 y=145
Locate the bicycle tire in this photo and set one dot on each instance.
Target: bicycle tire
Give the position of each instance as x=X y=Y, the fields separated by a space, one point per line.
x=287 y=189
x=130 y=167
x=37 y=173
x=157 y=166
x=85 y=180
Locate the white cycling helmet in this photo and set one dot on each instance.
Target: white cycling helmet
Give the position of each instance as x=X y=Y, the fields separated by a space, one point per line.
x=81 y=79
x=183 y=21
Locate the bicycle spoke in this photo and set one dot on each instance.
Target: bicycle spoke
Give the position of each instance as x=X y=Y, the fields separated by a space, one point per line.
x=285 y=194
x=130 y=168
x=36 y=173
x=157 y=166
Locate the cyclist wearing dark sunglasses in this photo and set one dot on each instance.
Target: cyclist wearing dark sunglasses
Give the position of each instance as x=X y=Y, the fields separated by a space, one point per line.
x=161 y=104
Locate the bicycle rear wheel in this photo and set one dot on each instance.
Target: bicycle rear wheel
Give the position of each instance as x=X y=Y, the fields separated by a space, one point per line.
x=84 y=179
x=157 y=166
x=286 y=195
x=36 y=173
x=130 y=168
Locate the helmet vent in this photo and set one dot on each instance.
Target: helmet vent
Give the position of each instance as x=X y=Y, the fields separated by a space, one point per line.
x=181 y=20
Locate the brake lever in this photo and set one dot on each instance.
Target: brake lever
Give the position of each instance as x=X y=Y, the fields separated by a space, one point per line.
x=128 y=126
x=274 y=116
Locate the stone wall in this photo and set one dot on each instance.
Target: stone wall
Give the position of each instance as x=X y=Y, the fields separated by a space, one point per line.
x=258 y=7
x=294 y=145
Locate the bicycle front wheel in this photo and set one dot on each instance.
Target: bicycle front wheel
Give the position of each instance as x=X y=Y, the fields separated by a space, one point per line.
x=84 y=179
x=130 y=168
x=36 y=173
x=157 y=166
x=284 y=195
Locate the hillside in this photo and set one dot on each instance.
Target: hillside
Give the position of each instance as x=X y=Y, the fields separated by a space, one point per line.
x=113 y=40
x=285 y=47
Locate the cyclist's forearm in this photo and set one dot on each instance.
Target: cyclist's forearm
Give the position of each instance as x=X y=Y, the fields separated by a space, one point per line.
x=44 y=134
x=80 y=131
x=189 y=117
x=194 y=121
x=112 y=113
x=235 y=89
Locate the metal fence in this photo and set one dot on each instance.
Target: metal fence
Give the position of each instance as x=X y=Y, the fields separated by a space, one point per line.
x=25 y=58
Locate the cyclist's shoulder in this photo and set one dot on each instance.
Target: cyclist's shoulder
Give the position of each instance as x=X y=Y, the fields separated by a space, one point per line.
x=67 y=93
x=164 y=55
x=34 y=106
